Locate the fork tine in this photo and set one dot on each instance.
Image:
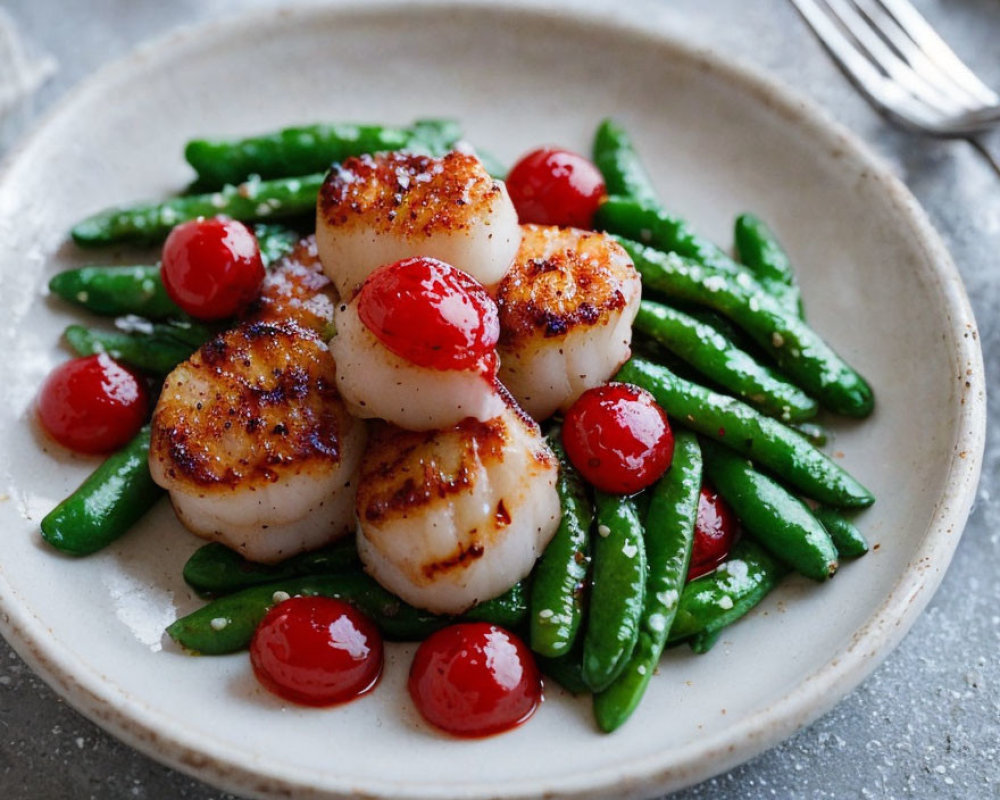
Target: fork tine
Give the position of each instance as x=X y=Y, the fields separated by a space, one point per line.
x=937 y=50
x=875 y=48
x=882 y=91
x=926 y=67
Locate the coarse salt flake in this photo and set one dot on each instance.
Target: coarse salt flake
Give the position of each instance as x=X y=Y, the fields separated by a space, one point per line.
x=219 y=623
x=280 y=596
x=603 y=531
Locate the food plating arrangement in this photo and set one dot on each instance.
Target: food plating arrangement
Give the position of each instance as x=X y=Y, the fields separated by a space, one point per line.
x=531 y=420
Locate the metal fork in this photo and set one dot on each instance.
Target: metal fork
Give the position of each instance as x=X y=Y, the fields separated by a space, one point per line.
x=904 y=68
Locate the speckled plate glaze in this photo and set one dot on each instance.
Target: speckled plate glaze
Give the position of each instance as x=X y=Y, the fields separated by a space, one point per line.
x=719 y=139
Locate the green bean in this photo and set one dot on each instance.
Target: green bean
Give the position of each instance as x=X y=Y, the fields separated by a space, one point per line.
x=718 y=359
x=509 y=610
x=616 y=158
x=227 y=624
x=107 y=504
x=669 y=534
x=780 y=449
x=251 y=201
x=305 y=149
x=849 y=541
x=561 y=572
x=759 y=249
x=111 y=291
x=616 y=594
x=712 y=602
x=703 y=641
x=215 y=569
x=158 y=349
x=771 y=514
x=799 y=351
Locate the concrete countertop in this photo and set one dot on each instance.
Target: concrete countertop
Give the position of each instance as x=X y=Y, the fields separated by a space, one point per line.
x=926 y=724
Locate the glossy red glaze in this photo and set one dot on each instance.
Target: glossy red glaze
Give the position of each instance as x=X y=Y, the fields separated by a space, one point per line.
x=431 y=314
x=556 y=187
x=714 y=533
x=317 y=651
x=93 y=404
x=475 y=679
x=618 y=438
x=212 y=267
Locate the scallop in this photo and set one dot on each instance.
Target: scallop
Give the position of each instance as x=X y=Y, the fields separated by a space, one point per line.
x=566 y=312
x=450 y=518
x=378 y=209
x=250 y=437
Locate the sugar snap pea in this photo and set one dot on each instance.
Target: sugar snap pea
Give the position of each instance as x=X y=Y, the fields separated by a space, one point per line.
x=509 y=610
x=776 y=518
x=712 y=602
x=157 y=347
x=800 y=352
x=618 y=162
x=759 y=249
x=777 y=447
x=561 y=572
x=111 y=291
x=227 y=624
x=250 y=201
x=215 y=569
x=306 y=149
x=617 y=590
x=106 y=504
x=718 y=359
x=849 y=541
x=566 y=670
x=669 y=533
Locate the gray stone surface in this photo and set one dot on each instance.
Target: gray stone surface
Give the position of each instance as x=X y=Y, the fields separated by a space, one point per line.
x=927 y=723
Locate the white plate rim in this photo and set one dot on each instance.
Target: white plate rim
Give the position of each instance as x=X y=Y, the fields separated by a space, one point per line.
x=97 y=699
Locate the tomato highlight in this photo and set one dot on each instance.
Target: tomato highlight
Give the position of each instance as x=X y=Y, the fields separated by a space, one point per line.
x=93 y=404
x=212 y=268
x=317 y=651
x=432 y=314
x=556 y=187
x=475 y=679
x=618 y=438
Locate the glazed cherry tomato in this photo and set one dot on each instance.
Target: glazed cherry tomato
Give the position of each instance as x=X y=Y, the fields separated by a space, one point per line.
x=714 y=533
x=212 y=267
x=431 y=314
x=93 y=404
x=618 y=438
x=556 y=187
x=475 y=679
x=316 y=651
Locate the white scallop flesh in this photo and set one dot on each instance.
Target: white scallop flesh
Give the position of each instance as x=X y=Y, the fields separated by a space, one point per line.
x=375 y=210
x=449 y=519
x=377 y=383
x=566 y=312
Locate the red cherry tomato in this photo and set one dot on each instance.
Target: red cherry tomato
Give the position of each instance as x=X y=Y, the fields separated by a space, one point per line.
x=212 y=267
x=93 y=404
x=431 y=314
x=316 y=651
x=714 y=533
x=475 y=679
x=556 y=187
x=618 y=438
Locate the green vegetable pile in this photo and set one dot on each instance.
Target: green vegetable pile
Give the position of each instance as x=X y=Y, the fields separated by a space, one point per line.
x=725 y=351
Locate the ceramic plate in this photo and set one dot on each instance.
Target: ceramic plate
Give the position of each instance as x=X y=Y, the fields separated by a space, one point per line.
x=718 y=140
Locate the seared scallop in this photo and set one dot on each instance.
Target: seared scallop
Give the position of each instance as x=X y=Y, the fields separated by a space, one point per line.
x=566 y=312
x=417 y=347
x=254 y=444
x=377 y=209
x=448 y=519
